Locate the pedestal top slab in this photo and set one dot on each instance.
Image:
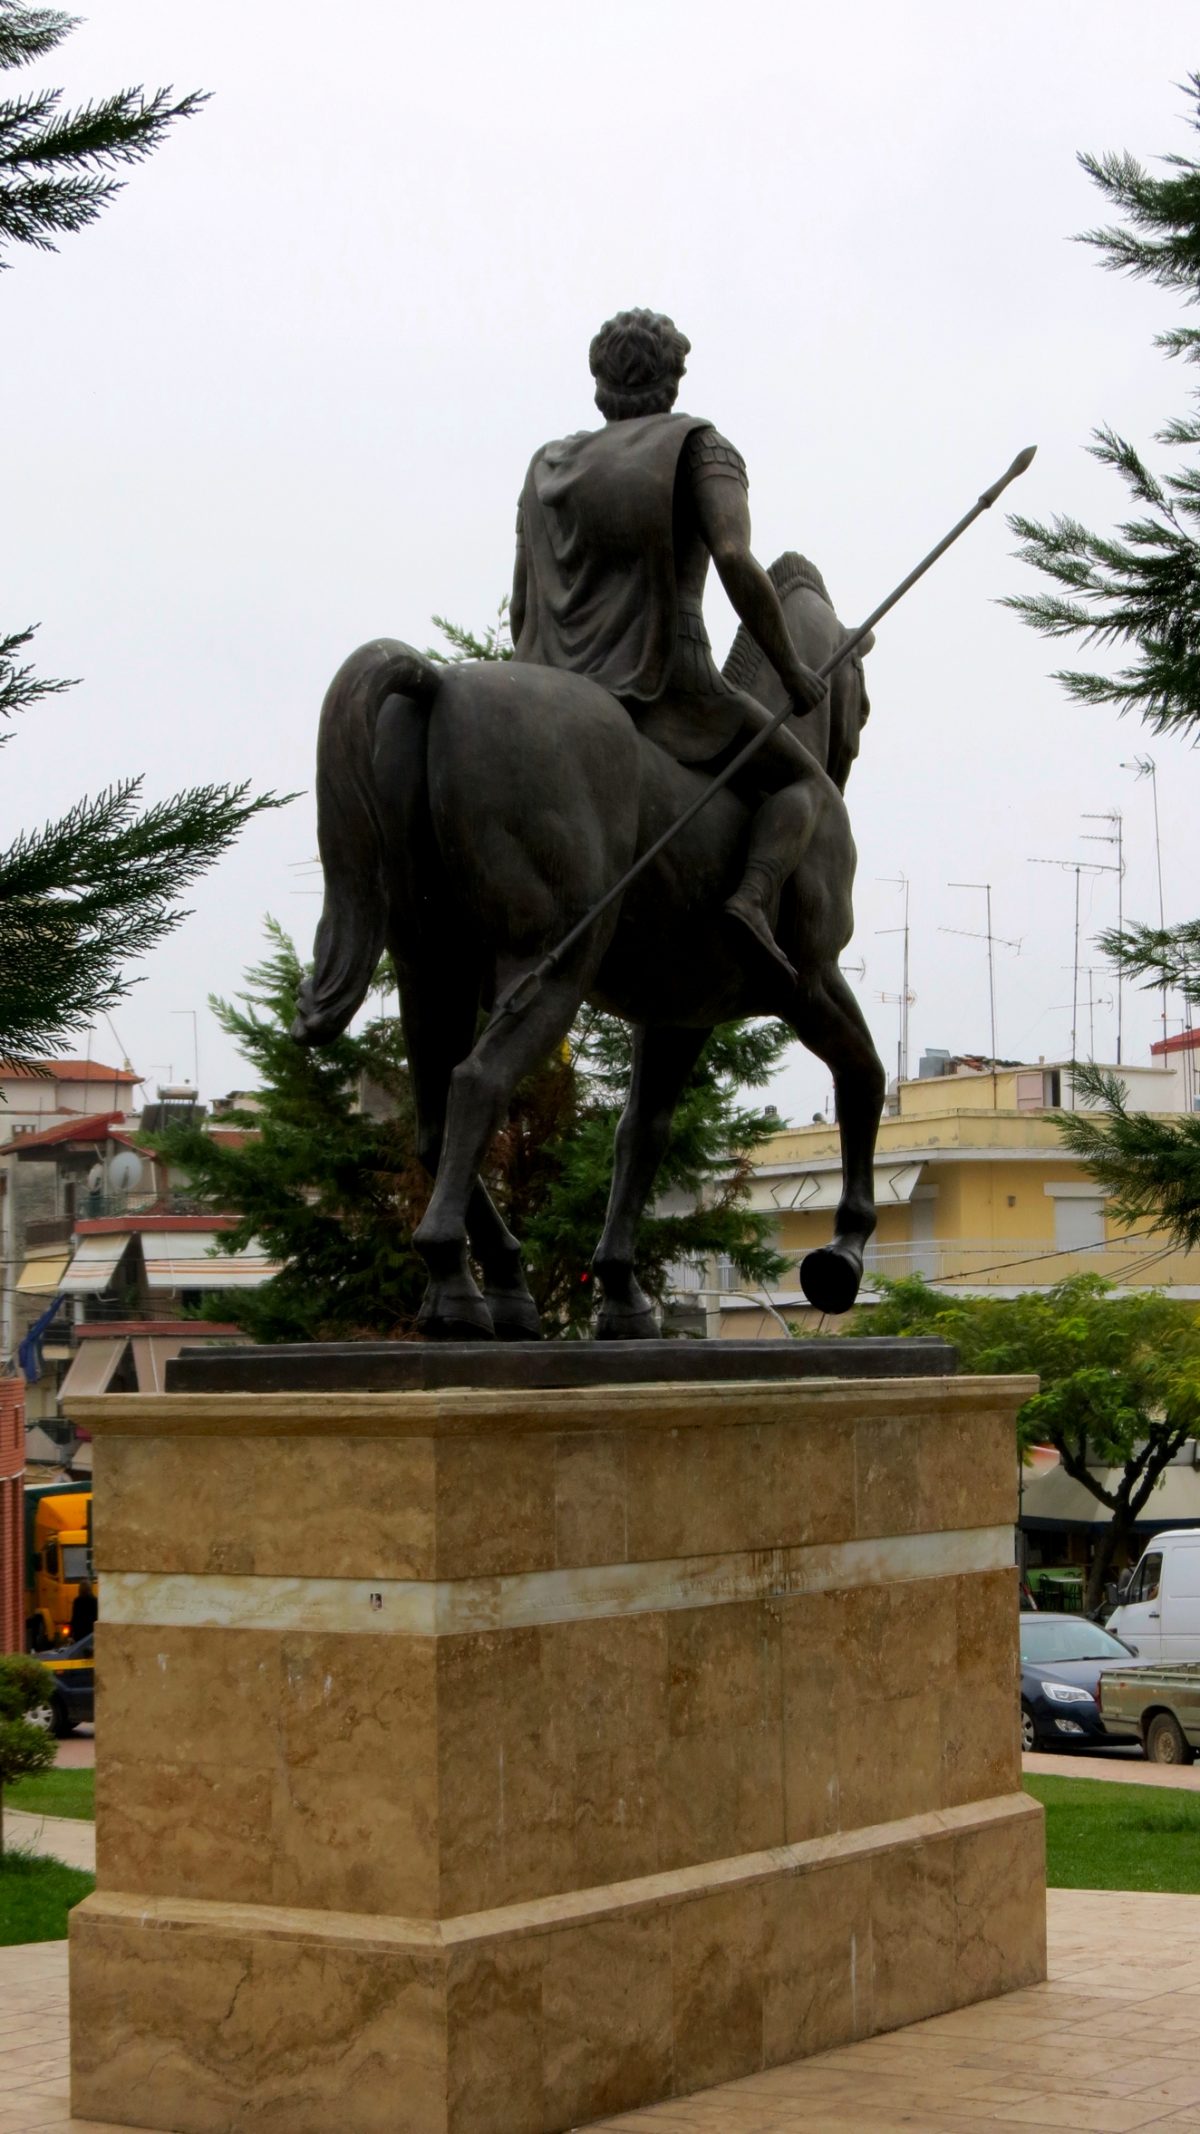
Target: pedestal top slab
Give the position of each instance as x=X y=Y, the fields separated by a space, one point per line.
x=415 y=1366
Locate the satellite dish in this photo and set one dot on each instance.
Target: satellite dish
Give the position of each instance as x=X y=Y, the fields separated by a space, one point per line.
x=96 y=1178
x=125 y=1172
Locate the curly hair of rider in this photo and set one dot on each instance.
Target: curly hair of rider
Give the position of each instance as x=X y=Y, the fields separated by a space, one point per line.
x=637 y=360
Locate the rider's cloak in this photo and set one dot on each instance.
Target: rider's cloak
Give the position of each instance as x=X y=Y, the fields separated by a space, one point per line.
x=597 y=514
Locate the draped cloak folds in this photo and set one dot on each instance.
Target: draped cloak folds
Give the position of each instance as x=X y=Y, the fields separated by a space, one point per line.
x=598 y=515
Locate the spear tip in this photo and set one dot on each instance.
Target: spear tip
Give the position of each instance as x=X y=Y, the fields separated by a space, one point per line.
x=1021 y=462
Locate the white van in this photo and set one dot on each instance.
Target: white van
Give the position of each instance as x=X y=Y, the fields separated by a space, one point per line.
x=1158 y=1613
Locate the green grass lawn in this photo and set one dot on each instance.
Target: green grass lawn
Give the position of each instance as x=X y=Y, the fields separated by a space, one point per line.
x=1106 y=1836
x=36 y=1895
x=55 y=1793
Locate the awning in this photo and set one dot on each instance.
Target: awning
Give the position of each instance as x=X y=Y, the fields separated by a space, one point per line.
x=1055 y=1499
x=95 y=1263
x=153 y=1352
x=815 y=1191
x=43 y=1278
x=184 y=1259
x=94 y=1367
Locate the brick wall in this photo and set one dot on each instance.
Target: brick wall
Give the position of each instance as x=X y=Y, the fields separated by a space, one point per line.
x=12 y=1514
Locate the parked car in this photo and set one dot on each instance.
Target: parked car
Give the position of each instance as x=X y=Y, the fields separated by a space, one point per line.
x=1158 y=1706
x=74 y=1671
x=1158 y=1612
x=1062 y=1660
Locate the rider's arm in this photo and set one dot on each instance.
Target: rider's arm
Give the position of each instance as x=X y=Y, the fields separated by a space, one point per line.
x=723 y=510
x=516 y=606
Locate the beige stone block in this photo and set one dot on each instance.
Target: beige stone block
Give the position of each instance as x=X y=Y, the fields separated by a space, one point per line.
x=495 y=1504
x=695 y=1492
x=607 y=2018
x=605 y=1689
x=887 y=1482
x=723 y=1795
x=717 y=1971
x=816 y=1961
x=914 y=1937
x=209 y=1696
x=808 y=1481
x=494 y=2037
x=355 y=1819
x=354 y=1508
x=981 y=1754
x=184 y=1830
x=216 y=2029
x=504 y=1804
x=1000 y=1906
x=590 y=1499
x=986 y=1615
x=725 y=1668
x=888 y=1760
x=967 y=1468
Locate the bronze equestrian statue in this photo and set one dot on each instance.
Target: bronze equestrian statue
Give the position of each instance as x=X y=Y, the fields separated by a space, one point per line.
x=472 y=818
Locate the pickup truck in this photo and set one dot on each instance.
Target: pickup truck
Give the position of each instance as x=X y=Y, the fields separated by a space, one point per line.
x=1158 y=1706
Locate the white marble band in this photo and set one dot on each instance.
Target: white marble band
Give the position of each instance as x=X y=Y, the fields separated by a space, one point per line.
x=450 y=1607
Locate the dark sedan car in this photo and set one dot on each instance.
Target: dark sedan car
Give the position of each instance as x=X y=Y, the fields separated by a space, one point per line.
x=74 y=1671
x=1062 y=1660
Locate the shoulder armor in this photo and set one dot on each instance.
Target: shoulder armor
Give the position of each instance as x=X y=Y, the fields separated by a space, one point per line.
x=709 y=453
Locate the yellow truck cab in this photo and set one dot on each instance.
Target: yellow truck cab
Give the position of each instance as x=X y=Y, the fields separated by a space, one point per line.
x=58 y=1555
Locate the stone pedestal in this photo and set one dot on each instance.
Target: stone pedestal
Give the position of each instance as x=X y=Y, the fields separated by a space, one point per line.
x=485 y=1762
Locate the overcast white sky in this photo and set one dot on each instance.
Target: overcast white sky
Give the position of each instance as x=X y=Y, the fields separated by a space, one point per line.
x=282 y=396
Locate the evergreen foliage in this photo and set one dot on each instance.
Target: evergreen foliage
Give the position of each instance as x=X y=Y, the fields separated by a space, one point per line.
x=1136 y=592
x=327 y=1180
x=82 y=896
x=25 y=1686
x=1120 y=1380
x=58 y=168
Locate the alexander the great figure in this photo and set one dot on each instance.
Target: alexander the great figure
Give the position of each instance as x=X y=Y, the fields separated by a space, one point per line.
x=614 y=533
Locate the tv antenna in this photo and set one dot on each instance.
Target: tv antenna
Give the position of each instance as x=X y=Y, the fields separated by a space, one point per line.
x=1078 y=868
x=1115 y=836
x=1145 y=767
x=905 y=998
x=994 y=941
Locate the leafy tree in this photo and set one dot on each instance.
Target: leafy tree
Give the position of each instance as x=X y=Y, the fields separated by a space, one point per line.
x=1137 y=590
x=25 y=1749
x=328 y=1183
x=82 y=896
x=1120 y=1380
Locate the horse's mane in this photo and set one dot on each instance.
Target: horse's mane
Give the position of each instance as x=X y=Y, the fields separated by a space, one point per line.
x=786 y=573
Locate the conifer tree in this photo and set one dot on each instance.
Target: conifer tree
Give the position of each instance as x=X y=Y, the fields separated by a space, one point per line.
x=1136 y=591
x=81 y=897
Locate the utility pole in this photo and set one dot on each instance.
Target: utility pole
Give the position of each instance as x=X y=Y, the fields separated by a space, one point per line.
x=1116 y=837
x=905 y=997
x=1078 y=868
x=991 y=940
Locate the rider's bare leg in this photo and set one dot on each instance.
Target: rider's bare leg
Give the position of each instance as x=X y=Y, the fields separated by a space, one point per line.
x=781 y=829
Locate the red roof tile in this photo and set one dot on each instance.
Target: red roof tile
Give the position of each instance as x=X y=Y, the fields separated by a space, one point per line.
x=97 y=1126
x=67 y=1071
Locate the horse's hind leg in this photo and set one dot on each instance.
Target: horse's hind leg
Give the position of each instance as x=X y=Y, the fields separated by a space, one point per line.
x=480 y=1087
x=827 y=1018
x=439 y=1030
x=663 y=1058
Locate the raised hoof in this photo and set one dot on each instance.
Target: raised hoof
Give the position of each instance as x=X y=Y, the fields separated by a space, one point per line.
x=514 y=1314
x=830 y=1279
x=454 y=1311
x=752 y=925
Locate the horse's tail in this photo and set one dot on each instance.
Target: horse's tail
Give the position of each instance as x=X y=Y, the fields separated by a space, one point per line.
x=351 y=930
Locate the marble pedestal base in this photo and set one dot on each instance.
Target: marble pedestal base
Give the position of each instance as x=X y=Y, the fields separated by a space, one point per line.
x=487 y=1762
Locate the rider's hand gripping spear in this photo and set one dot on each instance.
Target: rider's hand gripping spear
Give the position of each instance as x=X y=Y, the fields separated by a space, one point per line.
x=526 y=988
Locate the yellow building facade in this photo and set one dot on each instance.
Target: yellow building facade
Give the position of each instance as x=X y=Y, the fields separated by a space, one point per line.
x=975 y=1191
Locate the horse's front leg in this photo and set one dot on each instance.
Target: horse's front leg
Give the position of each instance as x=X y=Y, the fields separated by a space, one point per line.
x=663 y=1058
x=830 y=1022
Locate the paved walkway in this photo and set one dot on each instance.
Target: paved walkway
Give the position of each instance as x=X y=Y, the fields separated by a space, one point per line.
x=1126 y=1771
x=66 y=1838
x=1109 y=2045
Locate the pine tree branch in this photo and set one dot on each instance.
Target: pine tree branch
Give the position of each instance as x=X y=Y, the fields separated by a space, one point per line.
x=19 y=685
x=29 y=33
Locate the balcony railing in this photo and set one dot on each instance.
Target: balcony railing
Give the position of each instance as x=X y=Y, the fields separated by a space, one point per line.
x=92 y=1205
x=1030 y=1263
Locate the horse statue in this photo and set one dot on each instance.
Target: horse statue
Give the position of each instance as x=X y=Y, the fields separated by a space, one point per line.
x=469 y=818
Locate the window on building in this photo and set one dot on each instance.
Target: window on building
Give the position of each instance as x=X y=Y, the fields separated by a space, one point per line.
x=1079 y=1223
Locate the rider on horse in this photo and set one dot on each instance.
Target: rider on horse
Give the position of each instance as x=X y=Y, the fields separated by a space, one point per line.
x=615 y=529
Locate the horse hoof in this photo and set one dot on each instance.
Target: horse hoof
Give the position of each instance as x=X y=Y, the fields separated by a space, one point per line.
x=514 y=1314
x=830 y=1280
x=454 y=1311
x=631 y=1324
